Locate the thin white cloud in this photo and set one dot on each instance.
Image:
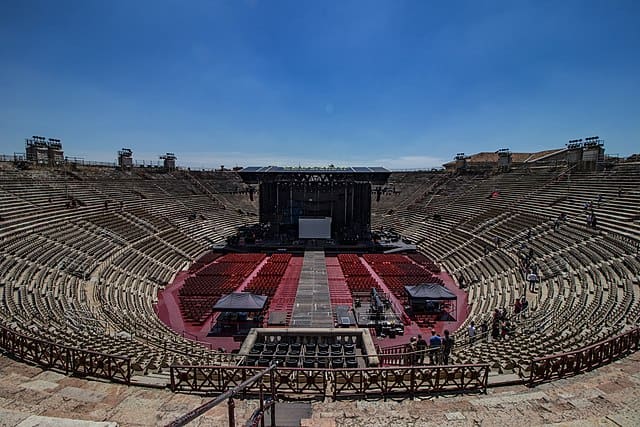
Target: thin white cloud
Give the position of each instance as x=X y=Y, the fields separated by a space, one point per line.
x=231 y=159
x=411 y=162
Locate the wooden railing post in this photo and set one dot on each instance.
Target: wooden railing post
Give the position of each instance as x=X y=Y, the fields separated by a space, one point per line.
x=261 y=395
x=413 y=382
x=272 y=383
x=67 y=358
x=232 y=412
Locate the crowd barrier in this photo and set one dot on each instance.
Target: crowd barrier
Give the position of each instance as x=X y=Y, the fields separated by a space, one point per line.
x=72 y=361
x=556 y=366
x=336 y=383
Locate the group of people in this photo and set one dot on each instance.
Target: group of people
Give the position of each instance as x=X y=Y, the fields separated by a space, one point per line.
x=590 y=214
x=501 y=326
x=562 y=218
x=528 y=265
x=437 y=348
x=496 y=245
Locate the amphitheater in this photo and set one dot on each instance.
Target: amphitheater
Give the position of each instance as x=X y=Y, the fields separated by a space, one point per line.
x=87 y=250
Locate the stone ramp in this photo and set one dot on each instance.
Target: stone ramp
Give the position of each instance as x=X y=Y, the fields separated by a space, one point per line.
x=312 y=308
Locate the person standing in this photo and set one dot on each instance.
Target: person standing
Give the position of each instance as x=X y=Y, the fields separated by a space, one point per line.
x=409 y=348
x=517 y=307
x=435 y=342
x=533 y=278
x=495 y=329
x=447 y=345
x=472 y=332
x=421 y=346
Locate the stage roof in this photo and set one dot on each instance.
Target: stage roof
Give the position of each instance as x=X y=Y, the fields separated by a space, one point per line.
x=314 y=169
x=254 y=174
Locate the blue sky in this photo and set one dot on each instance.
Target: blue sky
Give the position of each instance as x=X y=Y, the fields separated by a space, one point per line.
x=397 y=84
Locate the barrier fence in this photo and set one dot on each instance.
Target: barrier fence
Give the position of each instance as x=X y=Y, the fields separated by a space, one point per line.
x=335 y=383
x=72 y=361
x=318 y=382
x=563 y=365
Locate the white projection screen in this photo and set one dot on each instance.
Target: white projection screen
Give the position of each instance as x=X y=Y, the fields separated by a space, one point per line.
x=314 y=227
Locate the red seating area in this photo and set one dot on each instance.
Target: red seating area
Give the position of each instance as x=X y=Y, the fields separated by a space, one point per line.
x=356 y=274
x=217 y=275
x=268 y=278
x=280 y=258
x=386 y=259
x=339 y=292
x=210 y=285
x=241 y=269
x=362 y=284
x=273 y=268
x=398 y=271
x=205 y=259
x=425 y=262
x=351 y=265
x=263 y=285
x=285 y=295
x=200 y=292
x=242 y=258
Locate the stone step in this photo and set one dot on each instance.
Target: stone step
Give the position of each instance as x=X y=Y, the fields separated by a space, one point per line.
x=290 y=414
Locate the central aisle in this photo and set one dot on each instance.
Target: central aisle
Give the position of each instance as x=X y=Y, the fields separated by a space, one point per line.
x=312 y=308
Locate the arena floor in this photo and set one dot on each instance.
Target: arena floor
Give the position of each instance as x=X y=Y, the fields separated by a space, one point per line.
x=168 y=308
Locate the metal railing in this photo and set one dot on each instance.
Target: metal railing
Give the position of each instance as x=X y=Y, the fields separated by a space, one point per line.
x=563 y=365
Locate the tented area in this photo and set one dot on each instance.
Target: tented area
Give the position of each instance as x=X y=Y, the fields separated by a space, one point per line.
x=432 y=299
x=240 y=301
x=239 y=312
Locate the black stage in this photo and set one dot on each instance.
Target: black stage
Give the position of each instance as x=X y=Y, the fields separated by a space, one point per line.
x=288 y=195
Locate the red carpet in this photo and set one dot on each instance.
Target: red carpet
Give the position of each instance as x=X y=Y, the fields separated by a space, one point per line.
x=285 y=296
x=338 y=290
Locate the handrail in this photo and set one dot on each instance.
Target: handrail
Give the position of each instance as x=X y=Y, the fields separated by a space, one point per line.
x=561 y=365
x=336 y=382
x=69 y=359
x=229 y=394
